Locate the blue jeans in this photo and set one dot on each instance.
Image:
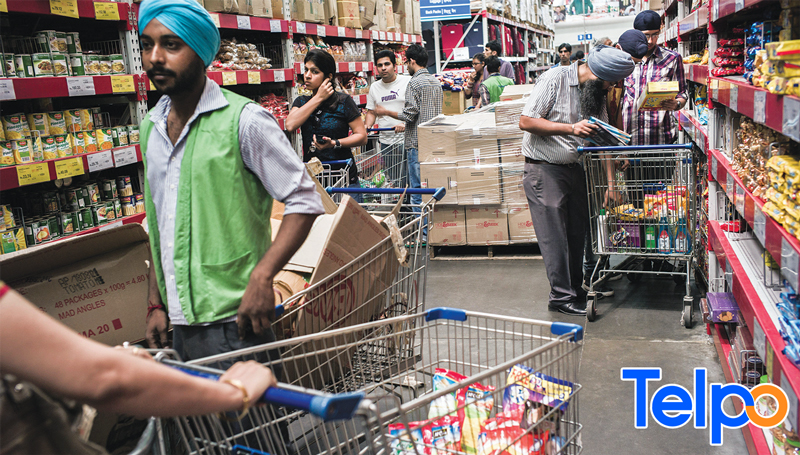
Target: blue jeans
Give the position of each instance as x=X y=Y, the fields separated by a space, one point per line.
x=415 y=181
x=359 y=197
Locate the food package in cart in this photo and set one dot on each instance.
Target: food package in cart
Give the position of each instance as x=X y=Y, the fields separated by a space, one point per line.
x=475 y=404
x=655 y=93
x=405 y=441
x=446 y=404
x=503 y=434
x=524 y=383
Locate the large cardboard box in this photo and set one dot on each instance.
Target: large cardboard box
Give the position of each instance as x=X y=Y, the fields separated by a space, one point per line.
x=437 y=138
x=366 y=9
x=510 y=149
x=478 y=185
x=331 y=12
x=404 y=15
x=476 y=140
x=506 y=117
x=512 y=177
x=277 y=9
x=261 y=8
x=398 y=23
x=487 y=225
x=308 y=11
x=515 y=92
x=448 y=225
x=440 y=175
x=96 y=284
x=520 y=226
x=223 y=6
x=348 y=14
x=389 y=11
x=415 y=18
x=380 y=16
x=453 y=103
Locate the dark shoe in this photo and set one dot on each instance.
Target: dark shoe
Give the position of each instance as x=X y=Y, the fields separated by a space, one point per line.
x=567 y=308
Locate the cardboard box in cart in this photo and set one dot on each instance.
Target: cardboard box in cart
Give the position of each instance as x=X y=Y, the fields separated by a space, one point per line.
x=96 y=284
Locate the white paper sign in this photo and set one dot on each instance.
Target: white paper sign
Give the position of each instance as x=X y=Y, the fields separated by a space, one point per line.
x=110 y=226
x=125 y=156
x=739 y=4
x=243 y=22
x=280 y=76
x=740 y=200
x=7 y=90
x=789 y=262
x=383 y=35
x=80 y=86
x=734 y=97
x=714 y=166
x=351 y=67
x=275 y=26
x=100 y=161
x=760 y=225
x=791 y=418
x=696 y=21
x=760 y=106
x=341 y=32
x=301 y=28
x=321 y=30
x=791 y=118
x=375 y=34
x=759 y=339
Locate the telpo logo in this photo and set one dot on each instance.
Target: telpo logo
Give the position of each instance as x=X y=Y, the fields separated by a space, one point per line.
x=672 y=405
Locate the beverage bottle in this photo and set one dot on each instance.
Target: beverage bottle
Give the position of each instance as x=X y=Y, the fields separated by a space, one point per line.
x=664 y=236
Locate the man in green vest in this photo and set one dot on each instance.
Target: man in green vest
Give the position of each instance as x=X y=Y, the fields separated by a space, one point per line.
x=214 y=162
x=493 y=86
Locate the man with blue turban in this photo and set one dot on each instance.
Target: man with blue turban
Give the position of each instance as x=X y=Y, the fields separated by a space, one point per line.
x=214 y=162
x=555 y=120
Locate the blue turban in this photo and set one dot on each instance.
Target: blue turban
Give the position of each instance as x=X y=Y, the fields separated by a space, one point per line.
x=633 y=42
x=188 y=20
x=609 y=64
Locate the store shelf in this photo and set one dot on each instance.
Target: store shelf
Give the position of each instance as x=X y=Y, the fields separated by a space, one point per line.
x=511 y=22
x=9 y=176
x=698 y=20
x=693 y=128
x=726 y=8
x=395 y=37
x=753 y=435
x=670 y=33
x=86 y=9
x=341 y=67
x=540 y=68
x=25 y=88
x=669 y=7
x=514 y=59
x=136 y=218
x=243 y=77
x=303 y=28
x=757 y=103
x=261 y=24
x=696 y=72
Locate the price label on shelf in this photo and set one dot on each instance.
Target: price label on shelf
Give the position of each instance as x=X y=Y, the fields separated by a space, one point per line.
x=791 y=418
x=105 y=11
x=696 y=21
x=715 y=11
x=714 y=87
x=740 y=200
x=759 y=339
x=760 y=225
x=215 y=19
x=321 y=30
x=68 y=8
x=383 y=35
x=280 y=75
x=69 y=167
x=122 y=84
x=714 y=166
x=791 y=117
x=243 y=22
x=375 y=34
x=739 y=4
x=729 y=183
x=789 y=265
x=33 y=173
x=7 y=90
x=229 y=78
x=125 y=156
x=301 y=27
x=99 y=161
x=729 y=275
x=341 y=32
x=80 y=86
x=734 y=97
x=760 y=106
x=351 y=67
x=108 y=226
x=3 y=6
x=254 y=77
x=275 y=26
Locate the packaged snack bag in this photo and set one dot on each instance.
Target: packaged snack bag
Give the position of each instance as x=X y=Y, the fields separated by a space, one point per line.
x=447 y=404
x=404 y=443
x=477 y=401
x=524 y=383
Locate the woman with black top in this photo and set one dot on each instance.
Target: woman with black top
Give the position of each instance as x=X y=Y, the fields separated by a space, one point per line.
x=326 y=117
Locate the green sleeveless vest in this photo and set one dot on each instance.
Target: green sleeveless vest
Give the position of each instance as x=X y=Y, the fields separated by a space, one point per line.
x=495 y=85
x=222 y=219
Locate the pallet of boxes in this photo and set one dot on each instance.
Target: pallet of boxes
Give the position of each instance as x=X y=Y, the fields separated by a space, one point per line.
x=478 y=158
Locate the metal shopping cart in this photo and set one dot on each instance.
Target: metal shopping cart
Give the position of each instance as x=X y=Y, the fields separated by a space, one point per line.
x=334 y=174
x=650 y=221
x=382 y=166
x=375 y=393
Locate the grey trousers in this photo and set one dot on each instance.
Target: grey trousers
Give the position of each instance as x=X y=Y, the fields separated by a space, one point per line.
x=558 y=201
x=194 y=342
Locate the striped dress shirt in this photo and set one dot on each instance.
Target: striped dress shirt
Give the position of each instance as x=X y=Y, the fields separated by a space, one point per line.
x=652 y=127
x=265 y=151
x=423 y=102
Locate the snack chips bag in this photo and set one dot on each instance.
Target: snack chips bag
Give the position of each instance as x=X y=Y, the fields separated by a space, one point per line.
x=447 y=404
x=524 y=383
x=477 y=401
x=402 y=444
x=446 y=434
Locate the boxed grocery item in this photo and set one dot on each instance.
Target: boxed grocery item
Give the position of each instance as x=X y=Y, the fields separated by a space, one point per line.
x=478 y=185
x=348 y=14
x=379 y=19
x=398 y=23
x=655 y=93
x=512 y=175
x=366 y=10
x=487 y=225
x=277 y=9
x=437 y=138
x=476 y=140
x=515 y=92
x=440 y=175
x=96 y=284
x=224 y=6
x=453 y=103
x=520 y=226
x=389 y=11
x=448 y=225
x=261 y=8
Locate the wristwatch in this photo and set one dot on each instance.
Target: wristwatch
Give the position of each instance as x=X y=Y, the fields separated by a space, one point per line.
x=337 y=145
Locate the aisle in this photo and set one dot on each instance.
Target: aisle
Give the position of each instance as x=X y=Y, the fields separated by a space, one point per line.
x=640 y=327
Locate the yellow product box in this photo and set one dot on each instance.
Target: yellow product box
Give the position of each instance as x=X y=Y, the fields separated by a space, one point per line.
x=6 y=217
x=104 y=139
x=783 y=50
x=655 y=93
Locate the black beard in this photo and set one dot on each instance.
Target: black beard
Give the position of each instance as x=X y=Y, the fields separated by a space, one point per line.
x=592 y=98
x=182 y=82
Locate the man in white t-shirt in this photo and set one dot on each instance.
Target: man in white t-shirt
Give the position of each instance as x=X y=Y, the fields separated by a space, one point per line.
x=388 y=94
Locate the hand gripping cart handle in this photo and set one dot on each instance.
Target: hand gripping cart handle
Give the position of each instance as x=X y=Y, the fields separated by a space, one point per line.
x=437 y=193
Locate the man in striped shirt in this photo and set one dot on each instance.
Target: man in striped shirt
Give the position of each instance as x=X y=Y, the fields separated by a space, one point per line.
x=555 y=120
x=658 y=65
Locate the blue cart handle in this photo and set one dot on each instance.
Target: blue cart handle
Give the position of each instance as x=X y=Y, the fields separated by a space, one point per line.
x=635 y=148
x=381 y=129
x=437 y=193
x=327 y=407
x=349 y=162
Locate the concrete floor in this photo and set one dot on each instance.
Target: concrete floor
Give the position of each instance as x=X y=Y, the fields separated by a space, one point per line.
x=638 y=327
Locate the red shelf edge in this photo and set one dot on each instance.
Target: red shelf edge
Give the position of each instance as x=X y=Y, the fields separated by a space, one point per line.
x=85 y=8
x=56 y=86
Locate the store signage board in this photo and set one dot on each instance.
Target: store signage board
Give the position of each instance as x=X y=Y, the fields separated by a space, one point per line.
x=791 y=418
x=33 y=173
x=122 y=84
x=105 y=11
x=229 y=78
x=243 y=22
x=7 y=90
x=734 y=97
x=791 y=118
x=68 y=8
x=99 y=161
x=759 y=339
x=760 y=106
x=69 y=167
x=125 y=156
x=760 y=225
x=789 y=262
x=279 y=75
x=275 y=26
x=80 y=86
x=461 y=53
x=439 y=10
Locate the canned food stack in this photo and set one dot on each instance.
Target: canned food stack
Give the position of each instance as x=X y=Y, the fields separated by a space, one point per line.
x=58 y=54
x=12 y=236
x=38 y=136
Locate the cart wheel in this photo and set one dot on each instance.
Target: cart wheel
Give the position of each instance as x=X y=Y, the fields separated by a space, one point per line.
x=688 y=309
x=591 y=309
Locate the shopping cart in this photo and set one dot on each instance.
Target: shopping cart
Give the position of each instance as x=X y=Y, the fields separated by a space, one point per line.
x=387 y=280
x=508 y=373
x=335 y=173
x=652 y=219
x=382 y=166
